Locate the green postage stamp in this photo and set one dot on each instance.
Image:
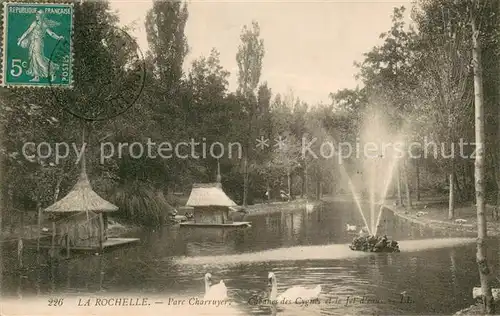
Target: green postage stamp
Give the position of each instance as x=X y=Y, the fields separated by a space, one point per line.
x=37 y=45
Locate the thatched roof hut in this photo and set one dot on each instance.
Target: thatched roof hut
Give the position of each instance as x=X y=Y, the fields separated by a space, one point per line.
x=209 y=194
x=82 y=199
x=79 y=215
x=81 y=228
x=211 y=204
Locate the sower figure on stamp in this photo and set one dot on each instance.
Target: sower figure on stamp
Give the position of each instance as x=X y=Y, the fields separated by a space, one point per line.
x=33 y=40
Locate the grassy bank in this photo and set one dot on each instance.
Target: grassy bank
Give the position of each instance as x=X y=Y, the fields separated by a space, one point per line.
x=278 y=207
x=433 y=212
x=471 y=310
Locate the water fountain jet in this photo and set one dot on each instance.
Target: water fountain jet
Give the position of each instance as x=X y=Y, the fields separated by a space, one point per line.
x=378 y=167
x=354 y=194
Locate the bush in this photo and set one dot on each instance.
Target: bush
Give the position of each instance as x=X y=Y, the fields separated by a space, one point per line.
x=142 y=204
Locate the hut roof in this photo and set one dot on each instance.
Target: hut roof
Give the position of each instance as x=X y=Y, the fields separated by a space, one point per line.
x=82 y=199
x=208 y=194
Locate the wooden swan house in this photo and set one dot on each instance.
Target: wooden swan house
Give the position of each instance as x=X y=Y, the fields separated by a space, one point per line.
x=79 y=220
x=211 y=207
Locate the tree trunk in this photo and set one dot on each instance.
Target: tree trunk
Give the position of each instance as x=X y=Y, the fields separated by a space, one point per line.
x=303 y=183
x=497 y=208
x=20 y=251
x=400 y=197
x=451 y=197
x=250 y=192
x=459 y=192
x=20 y=242
x=289 y=182
x=465 y=184
x=245 y=181
x=407 y=187
x=318 y=190
x=39 y=222
x=464 y=177
x=484 y=271
x=394 y=189
x=10 y=209
x=268 y=191
x=470 y=180
x=306 y=184
x=417 y=171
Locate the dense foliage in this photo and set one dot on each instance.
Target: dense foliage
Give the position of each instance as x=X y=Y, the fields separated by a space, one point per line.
x=419 y=77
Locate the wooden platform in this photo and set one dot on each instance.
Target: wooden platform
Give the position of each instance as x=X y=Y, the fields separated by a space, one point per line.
x=109 y=243
x=206 y=225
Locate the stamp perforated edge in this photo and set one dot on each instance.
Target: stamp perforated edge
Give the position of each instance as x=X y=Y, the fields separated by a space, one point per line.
x=2 y=40
x=4 y=45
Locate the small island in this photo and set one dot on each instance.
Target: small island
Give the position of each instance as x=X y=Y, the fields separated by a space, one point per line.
x=373 y=243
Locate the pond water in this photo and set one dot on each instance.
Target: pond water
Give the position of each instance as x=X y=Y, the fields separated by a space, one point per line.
x=435 y=269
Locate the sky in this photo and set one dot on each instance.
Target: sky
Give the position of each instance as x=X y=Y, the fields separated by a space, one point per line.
x=310 y=45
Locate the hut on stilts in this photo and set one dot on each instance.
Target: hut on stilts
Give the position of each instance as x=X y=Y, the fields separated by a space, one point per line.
x=79 y=219
x=211 y=206
x=210 y=203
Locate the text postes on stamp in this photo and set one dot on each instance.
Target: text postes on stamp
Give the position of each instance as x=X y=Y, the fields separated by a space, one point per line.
x=31 y=33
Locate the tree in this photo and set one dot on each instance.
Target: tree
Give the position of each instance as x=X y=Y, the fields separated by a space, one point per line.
x=497 y=208
x=165 y=23
x=445 y=50
x=392 y=76
x=37 y=115
x=484 y=270
x=103 y=53
x=287 y=157
x=207 y=109
x=320 y=165
x=249 y=59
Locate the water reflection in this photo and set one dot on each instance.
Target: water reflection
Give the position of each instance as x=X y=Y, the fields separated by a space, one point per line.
x=303 y=248
x=52 y=277
x=101 y=274
x=453 y=268
x=68 y=279
x=38 y=274
x=20 y=287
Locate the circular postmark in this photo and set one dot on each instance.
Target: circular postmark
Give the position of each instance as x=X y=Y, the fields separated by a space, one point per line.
x=105 y=67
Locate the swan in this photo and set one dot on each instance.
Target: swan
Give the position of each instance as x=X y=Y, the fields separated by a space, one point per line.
x=214 y=292
x=293 y=293
x=350 y=228
x=460 y=221
x=309 y=207
x=364 y=231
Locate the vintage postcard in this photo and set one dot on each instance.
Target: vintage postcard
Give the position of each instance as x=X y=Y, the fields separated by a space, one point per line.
x=257 y=157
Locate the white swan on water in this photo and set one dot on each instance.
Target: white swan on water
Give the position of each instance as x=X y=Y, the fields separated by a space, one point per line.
x=309 y=207
x=293 y=293
x=214 y=292
x=350 y=228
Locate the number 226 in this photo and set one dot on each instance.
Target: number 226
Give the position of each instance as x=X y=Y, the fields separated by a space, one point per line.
x=56 y=301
